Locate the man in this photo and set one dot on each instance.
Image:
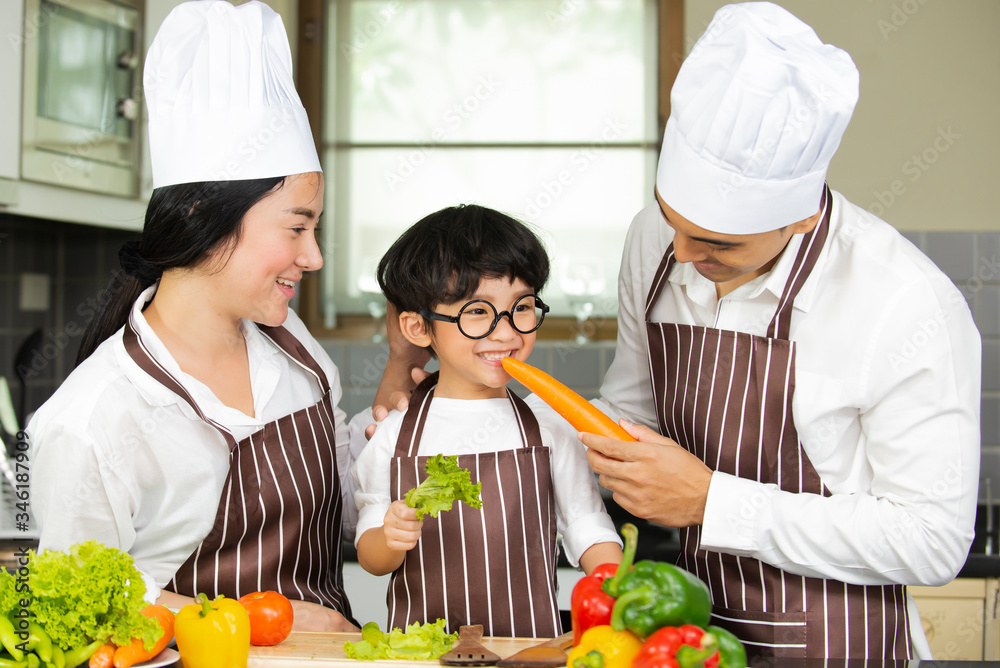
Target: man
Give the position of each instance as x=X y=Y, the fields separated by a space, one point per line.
x=815 y=378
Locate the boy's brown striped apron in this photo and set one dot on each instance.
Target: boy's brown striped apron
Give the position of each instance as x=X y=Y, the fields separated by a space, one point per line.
x=494 y=566
x=278 y=524
x=727 y=397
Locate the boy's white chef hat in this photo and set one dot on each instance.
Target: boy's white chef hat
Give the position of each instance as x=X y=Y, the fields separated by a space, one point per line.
x=220 y=96
x=756 y=114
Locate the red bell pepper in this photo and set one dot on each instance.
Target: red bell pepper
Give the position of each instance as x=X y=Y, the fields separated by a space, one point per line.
x=590 y=604
x=678 y=647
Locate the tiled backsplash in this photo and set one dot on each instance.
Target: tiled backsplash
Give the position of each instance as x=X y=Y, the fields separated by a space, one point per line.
x=79 y=261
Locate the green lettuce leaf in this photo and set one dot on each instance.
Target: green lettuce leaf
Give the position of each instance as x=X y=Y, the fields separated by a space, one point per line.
x=420 y=642
x=92 y=592
x=446 y=483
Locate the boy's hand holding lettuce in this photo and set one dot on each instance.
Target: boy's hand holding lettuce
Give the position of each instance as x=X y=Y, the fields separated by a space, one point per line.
x=76 y=601
x=446 y=483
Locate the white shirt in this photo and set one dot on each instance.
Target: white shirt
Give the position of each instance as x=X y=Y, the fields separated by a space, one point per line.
x=886 y=403
x=459 y=426
x=119 y=458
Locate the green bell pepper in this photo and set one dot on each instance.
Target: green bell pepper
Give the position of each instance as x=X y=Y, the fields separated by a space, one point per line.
x=655 y=594
x=732 y=654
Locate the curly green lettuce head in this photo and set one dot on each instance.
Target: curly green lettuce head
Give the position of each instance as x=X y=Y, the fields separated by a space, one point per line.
x=446 y=483
x=9 y=599
x=91 y=592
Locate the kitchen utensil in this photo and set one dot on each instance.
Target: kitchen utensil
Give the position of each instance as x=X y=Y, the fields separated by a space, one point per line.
x=469 y=651
x=548 y=654
x=23 y=368
x=8 y=419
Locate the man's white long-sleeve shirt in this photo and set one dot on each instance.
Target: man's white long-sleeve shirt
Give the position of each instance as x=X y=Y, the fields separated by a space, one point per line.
x=886 y=402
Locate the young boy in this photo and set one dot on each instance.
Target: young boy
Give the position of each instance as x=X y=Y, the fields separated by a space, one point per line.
x=464 y=281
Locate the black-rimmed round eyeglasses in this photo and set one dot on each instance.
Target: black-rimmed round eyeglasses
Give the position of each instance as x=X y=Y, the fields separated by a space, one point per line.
x=478 y=318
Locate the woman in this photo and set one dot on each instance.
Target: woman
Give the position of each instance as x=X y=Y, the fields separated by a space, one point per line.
x=199 y=431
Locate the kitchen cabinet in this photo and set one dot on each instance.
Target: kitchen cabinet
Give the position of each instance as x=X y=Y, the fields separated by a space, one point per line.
x=960 y=618
x=11 y=14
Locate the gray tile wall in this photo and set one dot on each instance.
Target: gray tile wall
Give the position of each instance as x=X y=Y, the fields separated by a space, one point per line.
x=79 y=261
x=972 y=261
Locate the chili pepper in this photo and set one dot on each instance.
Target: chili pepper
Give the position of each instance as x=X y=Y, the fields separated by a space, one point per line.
x=590 y=604
x=77 y=655
x=678 y=647
x=9 y=639
x=213 y=634
x=655 y=594
x=11 y=663
x=39 y=642
x=603 y=647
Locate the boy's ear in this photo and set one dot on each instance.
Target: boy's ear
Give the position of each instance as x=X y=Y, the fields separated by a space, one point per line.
x=414 y=329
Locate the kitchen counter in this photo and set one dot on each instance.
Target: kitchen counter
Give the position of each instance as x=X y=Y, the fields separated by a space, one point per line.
x=327 y=649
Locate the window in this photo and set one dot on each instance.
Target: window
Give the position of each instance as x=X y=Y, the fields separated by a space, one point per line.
x=544 y=109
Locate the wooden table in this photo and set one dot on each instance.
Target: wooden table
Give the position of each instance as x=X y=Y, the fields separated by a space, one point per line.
x=304 y=648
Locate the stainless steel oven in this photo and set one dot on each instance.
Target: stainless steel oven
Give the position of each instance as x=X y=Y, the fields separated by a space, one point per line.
x=82 y=93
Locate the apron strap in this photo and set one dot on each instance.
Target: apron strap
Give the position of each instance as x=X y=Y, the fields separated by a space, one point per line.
x=279 y=336
x=294 y=348
x=809 y=252
x=141 y=356
x=412 y=428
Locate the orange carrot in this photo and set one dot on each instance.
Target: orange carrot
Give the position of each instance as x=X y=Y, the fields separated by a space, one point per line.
x=103 y=657
x=578 y=411
x=135 y=652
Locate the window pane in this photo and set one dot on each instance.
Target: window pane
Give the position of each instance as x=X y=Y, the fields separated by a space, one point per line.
x=544 y=109
x=501 y=70
x=580 y=202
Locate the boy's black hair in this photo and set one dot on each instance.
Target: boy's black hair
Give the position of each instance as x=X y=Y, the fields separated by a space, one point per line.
x=441 y=258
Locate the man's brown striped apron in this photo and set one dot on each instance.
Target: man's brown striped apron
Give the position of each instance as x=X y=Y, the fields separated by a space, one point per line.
x=494 y=566
x=278 y=524
x=727 y=397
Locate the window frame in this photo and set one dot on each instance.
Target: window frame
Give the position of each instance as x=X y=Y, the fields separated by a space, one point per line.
x=310 y=76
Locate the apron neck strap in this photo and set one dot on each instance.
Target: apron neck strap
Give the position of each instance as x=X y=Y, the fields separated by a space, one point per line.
x=412 y=428
x=142 y=357
x=808 y=254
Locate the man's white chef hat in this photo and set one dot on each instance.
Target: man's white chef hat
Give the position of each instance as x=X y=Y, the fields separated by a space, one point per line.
x=756 y=113
x=221 y=100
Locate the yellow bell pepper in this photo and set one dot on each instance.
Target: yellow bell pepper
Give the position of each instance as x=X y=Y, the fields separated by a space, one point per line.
x=603 y=647
x=213 y=634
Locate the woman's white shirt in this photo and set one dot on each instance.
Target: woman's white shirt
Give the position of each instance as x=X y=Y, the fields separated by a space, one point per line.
x=119 y=458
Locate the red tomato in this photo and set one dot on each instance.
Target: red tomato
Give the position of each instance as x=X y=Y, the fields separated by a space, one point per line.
x=271 y=617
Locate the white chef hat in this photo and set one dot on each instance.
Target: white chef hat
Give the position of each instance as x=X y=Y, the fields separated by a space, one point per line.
x=756 y=113
x=221 y=100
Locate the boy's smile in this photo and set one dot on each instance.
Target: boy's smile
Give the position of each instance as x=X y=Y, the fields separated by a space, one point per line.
x=471 y=368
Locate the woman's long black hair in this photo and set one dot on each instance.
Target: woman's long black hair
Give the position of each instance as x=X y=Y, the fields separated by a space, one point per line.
x=183 y=223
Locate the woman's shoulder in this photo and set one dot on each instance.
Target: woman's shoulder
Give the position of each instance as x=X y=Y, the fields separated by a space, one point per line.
x=96 y=387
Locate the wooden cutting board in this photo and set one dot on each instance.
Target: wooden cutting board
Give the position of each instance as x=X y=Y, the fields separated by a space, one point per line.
x=303 y=648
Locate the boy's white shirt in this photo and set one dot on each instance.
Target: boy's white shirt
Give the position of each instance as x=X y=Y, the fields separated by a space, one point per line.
x=461 y=426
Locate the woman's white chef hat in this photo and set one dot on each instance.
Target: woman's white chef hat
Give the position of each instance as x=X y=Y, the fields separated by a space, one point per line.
x=220 y=96
x=756 y=114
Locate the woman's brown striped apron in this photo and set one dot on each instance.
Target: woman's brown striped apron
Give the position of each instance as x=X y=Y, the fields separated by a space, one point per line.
x=494 y=566
x=278 y=524
x=727 y=397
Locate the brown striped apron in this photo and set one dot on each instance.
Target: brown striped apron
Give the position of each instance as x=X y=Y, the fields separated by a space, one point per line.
x=727 y=398
x=278 y=524
x=494 y=566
